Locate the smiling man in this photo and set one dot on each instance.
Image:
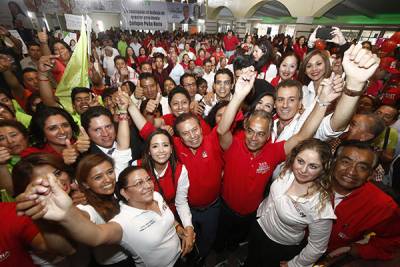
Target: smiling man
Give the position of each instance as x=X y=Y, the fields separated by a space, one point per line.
x=361 y=208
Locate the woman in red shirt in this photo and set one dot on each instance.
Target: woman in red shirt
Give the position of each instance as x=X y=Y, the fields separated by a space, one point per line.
x=300 y=47
x=287 y=68
x=130 y=58
x=142 y=56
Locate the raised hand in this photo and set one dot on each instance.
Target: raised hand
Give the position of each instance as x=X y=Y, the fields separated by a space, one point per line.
x=28 y=203
x=94 y=101
x=208 y=98
x=153 y=104
x=3 y=31
x=77 y=196
x=359 y=65
x=57 y=202
x=43 y=37
x=46 y=63
x=5 y=63
x=168 y=128
x=122 y=100
x=338 y=37
x=196 y=108
x=313 y=37
x=139 y=92
x=70 y=153
x=330 y=89
x=4 y=155
x=82 y=144
x=245 y=82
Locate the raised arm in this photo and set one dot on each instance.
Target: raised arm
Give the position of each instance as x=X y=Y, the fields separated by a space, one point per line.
x=58 y=207
x=359 y=65
x=327 y=94
x=17 y=43
x=17 y=89
x=242 y=88
x=44 y=45
x=123 y=137
x=46 y=63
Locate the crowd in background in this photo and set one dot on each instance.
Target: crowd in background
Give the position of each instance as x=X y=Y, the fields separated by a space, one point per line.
x=187 y=144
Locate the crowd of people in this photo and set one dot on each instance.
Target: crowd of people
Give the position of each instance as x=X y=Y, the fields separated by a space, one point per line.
x=189 y=144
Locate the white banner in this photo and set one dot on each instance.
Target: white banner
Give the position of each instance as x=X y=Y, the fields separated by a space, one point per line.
x=73 y=22
x=152 y=15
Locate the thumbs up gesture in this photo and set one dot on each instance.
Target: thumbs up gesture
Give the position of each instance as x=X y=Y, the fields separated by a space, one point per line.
x=152 y=105
x=83 y=142
x=69 y=154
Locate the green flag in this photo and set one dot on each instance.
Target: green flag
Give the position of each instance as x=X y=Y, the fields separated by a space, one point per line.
x=76 y=72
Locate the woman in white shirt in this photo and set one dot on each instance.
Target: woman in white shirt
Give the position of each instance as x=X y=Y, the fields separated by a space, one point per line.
x=96 y=177
x=299 y=199
x=313 y=69
x=145 y=226
x=170 y=177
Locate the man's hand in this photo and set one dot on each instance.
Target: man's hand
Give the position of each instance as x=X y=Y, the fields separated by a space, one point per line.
x=359 y=65
x=245 y=82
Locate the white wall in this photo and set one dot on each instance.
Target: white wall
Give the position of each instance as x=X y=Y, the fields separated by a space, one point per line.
x=109 y=20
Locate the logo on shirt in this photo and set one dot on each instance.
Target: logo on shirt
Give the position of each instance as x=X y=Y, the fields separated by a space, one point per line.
x=4 y=255
x=204 y=154
x=263 y=168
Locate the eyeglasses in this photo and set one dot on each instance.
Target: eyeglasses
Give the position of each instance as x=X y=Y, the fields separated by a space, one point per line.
x=140 y=183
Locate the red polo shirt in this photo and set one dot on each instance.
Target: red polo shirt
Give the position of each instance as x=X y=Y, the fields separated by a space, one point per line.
x=204 y=167
x=246 y=175
x=230 y=43
x=367 y=209
x=16 y=235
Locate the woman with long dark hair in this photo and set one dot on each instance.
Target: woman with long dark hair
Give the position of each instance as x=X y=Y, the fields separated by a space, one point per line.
x=169 y=176
x=263 y=57
x=96 y=177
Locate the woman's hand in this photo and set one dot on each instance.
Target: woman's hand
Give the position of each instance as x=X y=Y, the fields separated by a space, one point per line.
x=70 y=153
x=338 y=37
x=330 y=89
x=123 y=100
x=313 y=37
x=46 y=63
x=28 y=203
x=245 y=82
x=4 y=155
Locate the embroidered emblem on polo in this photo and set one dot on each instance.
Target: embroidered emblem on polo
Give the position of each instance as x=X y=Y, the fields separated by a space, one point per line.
x=263 y=168
x=204 y=154
x=4 y=255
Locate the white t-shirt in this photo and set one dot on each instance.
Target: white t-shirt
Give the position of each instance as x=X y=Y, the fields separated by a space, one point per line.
x=151 y=238
x=284 y=219
x=104 y=254
x=210 y=80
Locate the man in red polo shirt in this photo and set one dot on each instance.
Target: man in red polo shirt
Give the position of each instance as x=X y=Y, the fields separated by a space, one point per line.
x=230 y=42
x=250 y=159
x=367 y=224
